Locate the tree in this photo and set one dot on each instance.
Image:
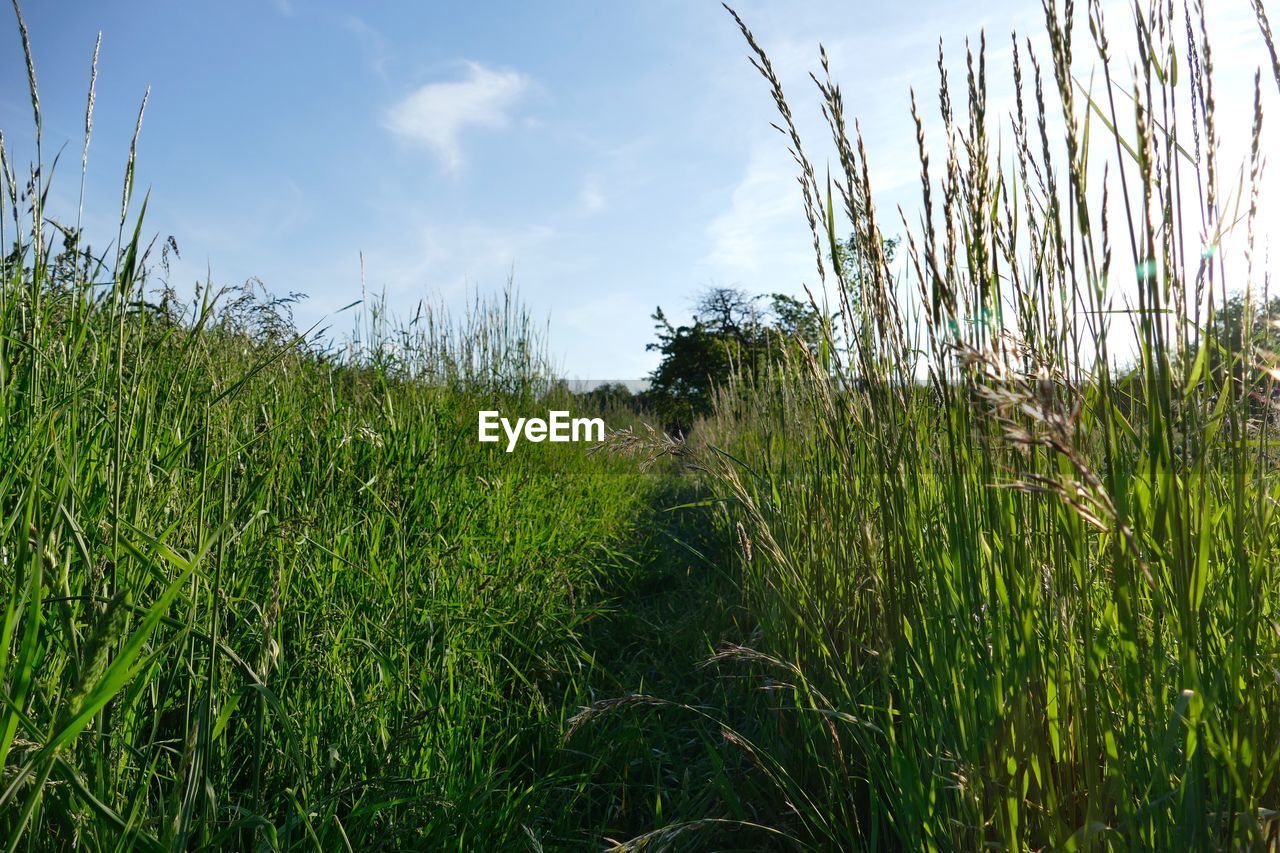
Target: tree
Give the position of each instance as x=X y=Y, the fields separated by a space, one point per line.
x=608 y=396
x=795 y=318
x=729 y=333
x=1226 y=339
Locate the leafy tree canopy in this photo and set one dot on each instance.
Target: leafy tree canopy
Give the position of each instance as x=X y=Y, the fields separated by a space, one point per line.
x=731 y=331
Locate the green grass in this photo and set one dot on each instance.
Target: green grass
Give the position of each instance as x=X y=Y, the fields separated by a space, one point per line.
x=257 y=597
x=260 y=594
x=1013 y=547
x=992 y=567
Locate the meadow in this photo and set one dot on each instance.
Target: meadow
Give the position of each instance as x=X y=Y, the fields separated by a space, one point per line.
x=991 y=566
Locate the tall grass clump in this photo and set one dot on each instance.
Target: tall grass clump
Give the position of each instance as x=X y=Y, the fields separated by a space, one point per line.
x=1010 y=535
x=260 y=593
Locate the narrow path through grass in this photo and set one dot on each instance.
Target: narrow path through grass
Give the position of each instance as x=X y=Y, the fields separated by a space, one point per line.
x=649 y=754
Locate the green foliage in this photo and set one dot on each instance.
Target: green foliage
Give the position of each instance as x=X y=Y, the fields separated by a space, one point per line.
x=989 y=590
x=1010 y=595
x=259 y=592
x=259 y=597
x=730 y=336
x=1239 y=328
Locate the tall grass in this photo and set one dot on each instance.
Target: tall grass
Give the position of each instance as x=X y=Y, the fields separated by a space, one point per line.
x=1006 y=539
x=260 y=593
x=1012 y=549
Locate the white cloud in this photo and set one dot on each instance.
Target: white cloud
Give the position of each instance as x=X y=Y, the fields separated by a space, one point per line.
x=591 y=198
x=437 y=114
x=446 y=257
x=375 y=45
x=764 y=226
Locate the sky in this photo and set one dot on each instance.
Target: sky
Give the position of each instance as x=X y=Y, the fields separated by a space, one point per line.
x=611 y=157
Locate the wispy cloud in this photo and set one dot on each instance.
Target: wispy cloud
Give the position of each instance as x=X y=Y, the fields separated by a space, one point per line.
x=376 y=46
x=763 y=228
x=445 y=257
x=591 y=197
x=437 y=114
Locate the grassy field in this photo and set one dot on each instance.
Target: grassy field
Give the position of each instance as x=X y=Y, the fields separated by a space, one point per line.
x=258 y=593
x=261 y=595
x=992 y=567
x=1013 y=554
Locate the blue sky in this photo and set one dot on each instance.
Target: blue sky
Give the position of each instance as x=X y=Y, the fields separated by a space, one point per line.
x=617 y=156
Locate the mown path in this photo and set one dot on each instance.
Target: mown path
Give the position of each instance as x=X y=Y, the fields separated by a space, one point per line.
x=650 y=753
